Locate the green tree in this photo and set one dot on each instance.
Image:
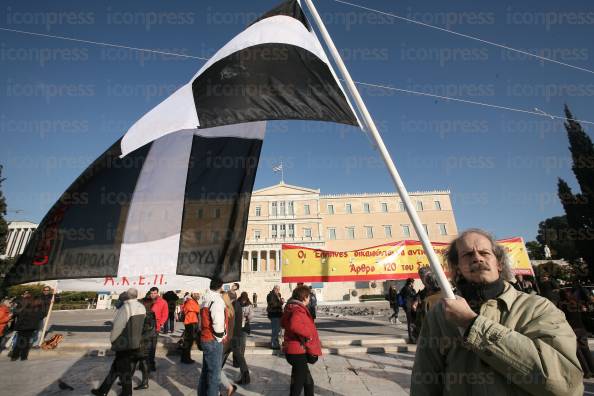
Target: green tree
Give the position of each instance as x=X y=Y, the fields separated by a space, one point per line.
x=556 y=233
x=3 y=223
x=579 y=207
x=535 y=250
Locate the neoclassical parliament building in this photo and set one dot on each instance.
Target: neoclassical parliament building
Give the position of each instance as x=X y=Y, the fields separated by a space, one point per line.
x=301 y=216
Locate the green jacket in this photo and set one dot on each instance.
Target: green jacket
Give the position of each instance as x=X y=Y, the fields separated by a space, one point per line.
x=520 y=344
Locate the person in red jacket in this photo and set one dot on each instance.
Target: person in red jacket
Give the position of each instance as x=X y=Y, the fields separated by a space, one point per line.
x=161 y=311
x=302 y=343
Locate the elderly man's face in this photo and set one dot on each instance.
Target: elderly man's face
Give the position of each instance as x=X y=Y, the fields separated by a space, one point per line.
x=476 y=261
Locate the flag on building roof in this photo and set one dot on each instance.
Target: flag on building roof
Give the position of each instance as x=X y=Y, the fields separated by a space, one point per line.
x=172 y=195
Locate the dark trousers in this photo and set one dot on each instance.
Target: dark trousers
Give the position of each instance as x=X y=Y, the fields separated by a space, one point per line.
x=169 y=325
x=22 y=345
x=238 y=349
x=191 y=335
x=141 y=360
x=410 y=323
x=121 y=367
x=151 y=347
x=301 y=379
x=583 y=351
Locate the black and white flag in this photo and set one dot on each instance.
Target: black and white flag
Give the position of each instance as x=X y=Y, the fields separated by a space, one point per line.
x=172 y=195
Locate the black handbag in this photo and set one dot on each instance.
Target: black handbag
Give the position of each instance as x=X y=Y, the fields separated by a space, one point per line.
x=246 y=328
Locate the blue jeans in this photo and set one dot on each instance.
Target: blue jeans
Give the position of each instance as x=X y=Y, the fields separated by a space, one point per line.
x=275 y=322
x=212 y=362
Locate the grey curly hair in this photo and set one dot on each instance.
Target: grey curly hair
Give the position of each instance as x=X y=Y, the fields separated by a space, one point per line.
x=499 y=251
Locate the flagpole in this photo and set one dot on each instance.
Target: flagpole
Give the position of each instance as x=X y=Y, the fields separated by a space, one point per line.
x=433 y=260
x=47 y=318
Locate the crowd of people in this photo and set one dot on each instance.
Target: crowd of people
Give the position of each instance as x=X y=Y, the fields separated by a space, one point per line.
x=218 y=323
x=503 y=334
x=21 y=322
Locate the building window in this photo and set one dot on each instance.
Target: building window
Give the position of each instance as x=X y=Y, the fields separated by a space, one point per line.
x=331 y=209
x=419 y=206
x=384 y=207
x=217 y=213
x=198 y=235
x=283 y=231
x=331 y=233
x=401 y=206
x=388 y=231
x=350 y=232
x=442 y=229
x=274 y=209
x=437 y=205
x=257 y=234
x=200 y=213
x=349 y=208
x=254 y=264
x=215 y=236
x=282 y=208
x=307 y=232
x=306 y=209
x=426 y=229
x=291 y=230
x=405 y=230
x=290 y=208
x=273 y=232
x=369 y=232
x=366 y=207
x=258 y=211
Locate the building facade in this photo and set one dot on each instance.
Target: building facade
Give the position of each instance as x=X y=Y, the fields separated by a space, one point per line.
x=296 y=215
x=19 y=234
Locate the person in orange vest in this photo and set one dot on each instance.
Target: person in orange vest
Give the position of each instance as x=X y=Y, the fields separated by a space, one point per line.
x=212 y=333
x=191 y=311
x=5 y=316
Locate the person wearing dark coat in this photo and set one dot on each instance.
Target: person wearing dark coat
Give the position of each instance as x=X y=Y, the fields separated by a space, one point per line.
x=149 y=332
x=171 y=297
x=409 y=295
x=242 y=317
x=274 y=311
x=29 y=312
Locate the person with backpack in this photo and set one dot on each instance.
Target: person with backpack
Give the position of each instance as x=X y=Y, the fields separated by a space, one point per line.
x=408 y=297
x=302 y=344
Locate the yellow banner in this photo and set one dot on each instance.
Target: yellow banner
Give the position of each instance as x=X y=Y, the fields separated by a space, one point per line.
x=395 y=260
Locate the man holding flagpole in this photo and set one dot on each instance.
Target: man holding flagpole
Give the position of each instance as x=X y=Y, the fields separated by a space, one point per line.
x=493 y=340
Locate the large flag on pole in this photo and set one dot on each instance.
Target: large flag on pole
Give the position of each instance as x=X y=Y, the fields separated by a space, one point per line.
x=172 y=195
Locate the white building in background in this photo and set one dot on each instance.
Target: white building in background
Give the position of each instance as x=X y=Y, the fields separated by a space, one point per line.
x=19 y=233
